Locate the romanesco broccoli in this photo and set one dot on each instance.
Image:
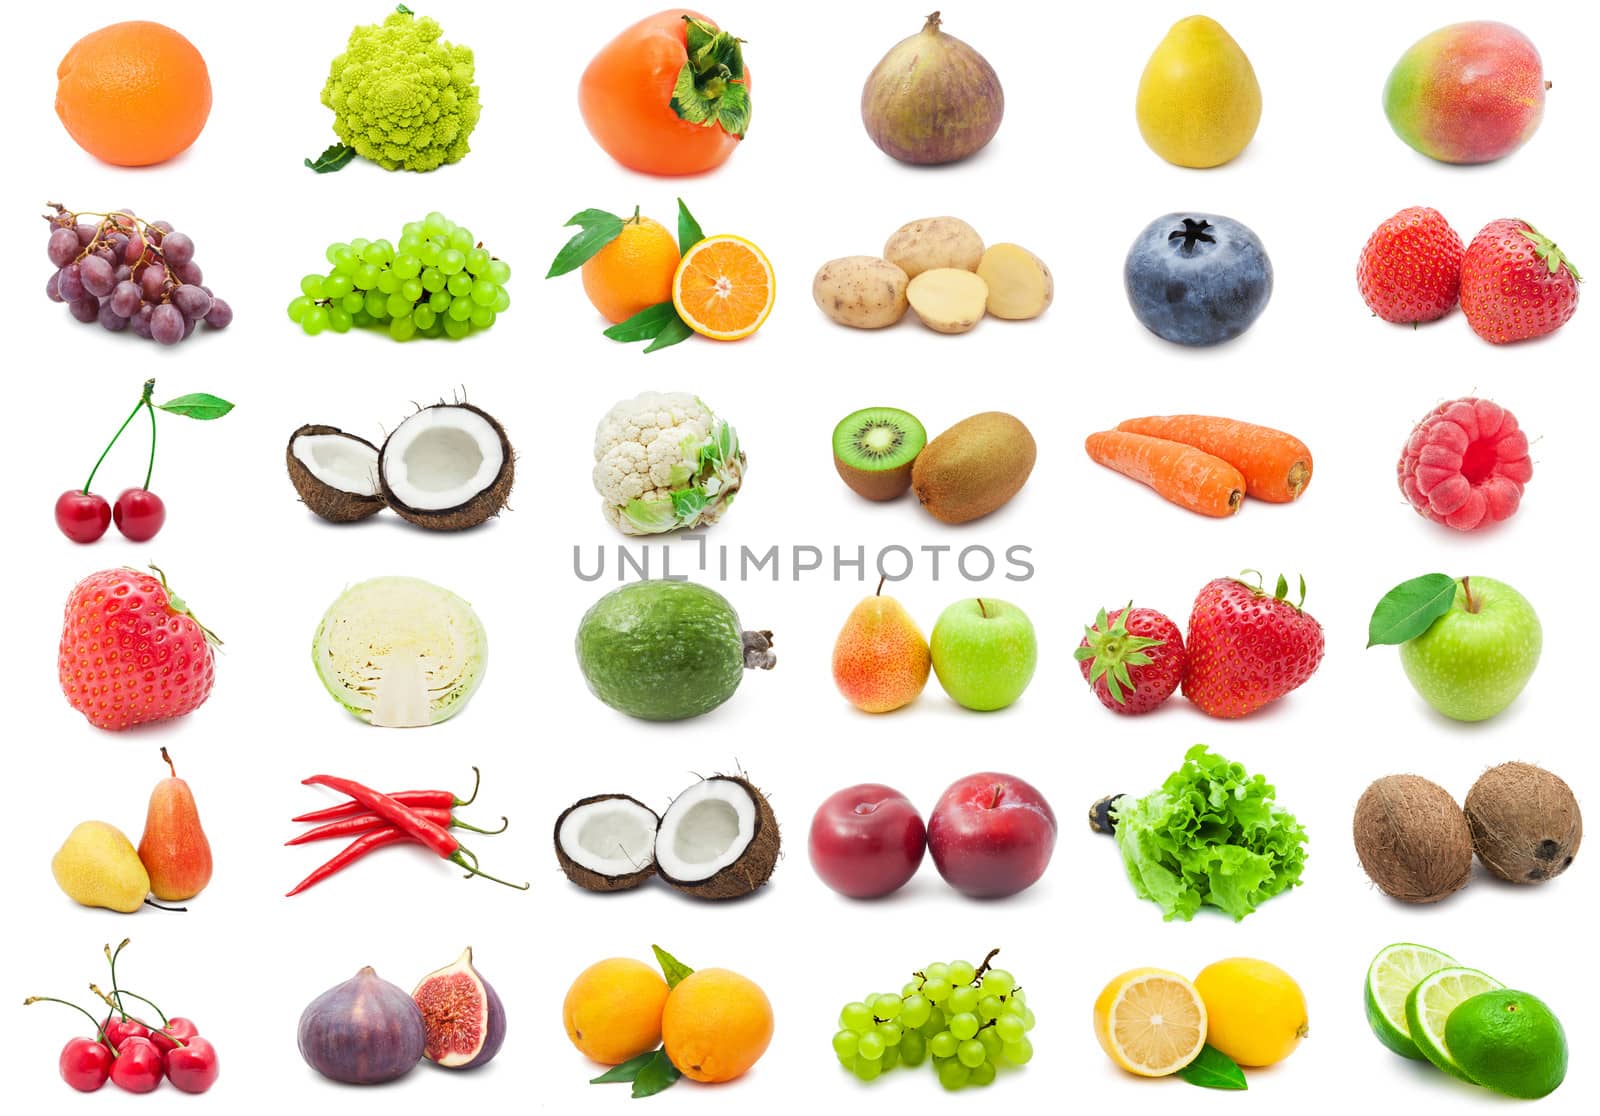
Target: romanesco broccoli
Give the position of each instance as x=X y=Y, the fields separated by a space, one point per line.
x=400 y=96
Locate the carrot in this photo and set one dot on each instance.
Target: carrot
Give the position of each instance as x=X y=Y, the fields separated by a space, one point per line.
x=1188 y=477
x=1276 y=466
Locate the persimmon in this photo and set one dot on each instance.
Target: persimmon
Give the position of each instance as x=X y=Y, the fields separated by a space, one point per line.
x=669 y=95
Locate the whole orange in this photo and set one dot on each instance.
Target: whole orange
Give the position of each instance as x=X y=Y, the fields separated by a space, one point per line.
x=613 y=1010
x=133 y=93
x=634 y=271
x=716 y=1025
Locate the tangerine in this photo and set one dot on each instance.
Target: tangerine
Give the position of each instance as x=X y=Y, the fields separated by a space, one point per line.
x=133 y=93
x=634 y=271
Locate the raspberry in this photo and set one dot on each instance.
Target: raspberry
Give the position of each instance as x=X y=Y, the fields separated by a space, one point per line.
x=1465 y=464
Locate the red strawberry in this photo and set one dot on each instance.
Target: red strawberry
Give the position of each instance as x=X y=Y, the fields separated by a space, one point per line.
x=1410 y=270
x=131 y=652
x=1465 y=464
x=1133 y=659
x=1247 y=649
x=1516 y=284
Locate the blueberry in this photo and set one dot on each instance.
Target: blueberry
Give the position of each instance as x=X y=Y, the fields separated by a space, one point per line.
x=1196 y=278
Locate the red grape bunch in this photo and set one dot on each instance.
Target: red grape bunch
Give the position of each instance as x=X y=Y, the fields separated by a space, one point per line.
x=128 y=273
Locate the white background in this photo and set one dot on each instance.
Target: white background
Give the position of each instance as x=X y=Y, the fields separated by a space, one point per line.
x=1068 y=177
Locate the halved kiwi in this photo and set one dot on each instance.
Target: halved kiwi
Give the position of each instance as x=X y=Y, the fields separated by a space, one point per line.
x=873 y=449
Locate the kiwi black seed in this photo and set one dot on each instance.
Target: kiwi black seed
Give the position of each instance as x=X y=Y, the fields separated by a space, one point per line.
x=874 y=449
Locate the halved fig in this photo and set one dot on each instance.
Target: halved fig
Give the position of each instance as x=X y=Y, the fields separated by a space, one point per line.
x=462 y=1015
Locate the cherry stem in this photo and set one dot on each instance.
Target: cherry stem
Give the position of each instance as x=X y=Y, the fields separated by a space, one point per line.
x=121 y=992
x=150 y=468
x=144 y=401
x=111 y=956
x=99 y=1031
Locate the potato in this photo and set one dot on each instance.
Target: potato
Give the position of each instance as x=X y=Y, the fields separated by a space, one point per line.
x=863 y=292
x=1020 y=285
x=934 y=242
x=948 y=299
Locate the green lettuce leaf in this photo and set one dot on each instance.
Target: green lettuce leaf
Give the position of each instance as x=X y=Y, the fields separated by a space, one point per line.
x=1211 y=835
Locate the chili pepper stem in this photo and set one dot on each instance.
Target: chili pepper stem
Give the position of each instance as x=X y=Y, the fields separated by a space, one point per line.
x=144 y=401
x=505 y=823
x=477 y=781
x=474 y=871
x=99 y=1031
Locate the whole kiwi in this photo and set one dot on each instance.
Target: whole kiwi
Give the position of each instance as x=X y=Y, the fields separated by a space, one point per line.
x=1525 y=822
x=1413 y=839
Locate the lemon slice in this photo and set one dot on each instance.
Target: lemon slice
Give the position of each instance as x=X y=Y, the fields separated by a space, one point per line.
x=1150 y=1022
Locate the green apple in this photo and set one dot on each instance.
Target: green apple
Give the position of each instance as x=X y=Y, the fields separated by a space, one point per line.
x=1473 y=661
x=984 y=652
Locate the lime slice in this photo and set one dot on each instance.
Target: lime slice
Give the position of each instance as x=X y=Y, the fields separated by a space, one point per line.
x=1428 y=1007
x=1392 y=975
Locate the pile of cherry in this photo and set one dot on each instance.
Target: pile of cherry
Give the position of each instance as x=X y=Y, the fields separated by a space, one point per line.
x=133 y=1053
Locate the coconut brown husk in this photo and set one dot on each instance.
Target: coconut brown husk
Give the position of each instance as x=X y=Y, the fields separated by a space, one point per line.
x=754 y=866
x=1525 y=822
x=333 y=504
x=589 y=879
x=485 y=505
x=1412 y=838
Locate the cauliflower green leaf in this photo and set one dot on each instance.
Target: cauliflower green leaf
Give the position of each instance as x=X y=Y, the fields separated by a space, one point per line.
x=664 y=462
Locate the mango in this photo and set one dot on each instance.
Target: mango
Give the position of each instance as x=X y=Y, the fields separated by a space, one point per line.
x=1467 y=93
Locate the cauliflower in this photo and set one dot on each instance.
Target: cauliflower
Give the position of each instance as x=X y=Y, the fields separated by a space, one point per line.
x=402 y=98
x=663 y=461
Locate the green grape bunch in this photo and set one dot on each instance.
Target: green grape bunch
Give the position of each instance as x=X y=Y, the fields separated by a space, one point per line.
x=437 y=281
x=966 y=1020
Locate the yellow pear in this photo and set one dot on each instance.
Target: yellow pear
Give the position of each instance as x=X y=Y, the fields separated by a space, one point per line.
x=1199 y=103
x=98 y=866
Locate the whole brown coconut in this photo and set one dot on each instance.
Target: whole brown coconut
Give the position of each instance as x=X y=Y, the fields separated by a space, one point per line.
x=1413 y=839
x=932 y=99
x=1525 y=822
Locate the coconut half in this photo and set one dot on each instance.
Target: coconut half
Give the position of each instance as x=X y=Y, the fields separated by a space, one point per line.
x=718 y=839
x=400 y=652
x=607 y=842
x=335 y=473
x=447 y=467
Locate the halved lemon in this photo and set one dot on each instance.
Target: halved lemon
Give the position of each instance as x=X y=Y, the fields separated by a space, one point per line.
x=1150 y=1022
x=724 y=288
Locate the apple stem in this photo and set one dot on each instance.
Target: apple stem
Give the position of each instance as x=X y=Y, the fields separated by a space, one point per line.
x=168 y=758
x=878 y=592
x=981 y=610
x=1466 y=587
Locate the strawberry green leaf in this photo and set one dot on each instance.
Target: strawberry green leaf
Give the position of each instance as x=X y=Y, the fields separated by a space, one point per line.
x=1410 y=608
x=197 y=405
x=598 y=228
x=671 y=968
x=655 y=1075
x=335 y=158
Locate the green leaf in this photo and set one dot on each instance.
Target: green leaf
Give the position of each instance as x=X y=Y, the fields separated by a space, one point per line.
x=335 y=158
x=197 y=405
x=1212 y=1069
x=671 y=968
x=627 y=1071
x=401 y=9
x=599 y=228
x=1410 y=608
x=733 y=110
x=689 y=233
x=655 y=1075
x=646 y=324
x=674 y=331
x=687 y=503
x=710 y=87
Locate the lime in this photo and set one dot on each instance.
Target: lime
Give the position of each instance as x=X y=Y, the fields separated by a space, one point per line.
x=1392 y=975
x=1509 y=1042
x=1428 y=1007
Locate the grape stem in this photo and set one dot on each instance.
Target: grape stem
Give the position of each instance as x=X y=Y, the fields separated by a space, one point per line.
x=144 y=402
x=983 y=968
x=109 y=223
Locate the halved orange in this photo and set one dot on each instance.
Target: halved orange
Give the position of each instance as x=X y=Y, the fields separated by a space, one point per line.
x=724 y=288
x=1150 y=1022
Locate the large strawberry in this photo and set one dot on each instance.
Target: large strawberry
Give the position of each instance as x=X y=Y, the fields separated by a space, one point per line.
x=1133 y=659
x=131 y=652
x=1247 y=648
x=1410 y=269
x=1516 y=284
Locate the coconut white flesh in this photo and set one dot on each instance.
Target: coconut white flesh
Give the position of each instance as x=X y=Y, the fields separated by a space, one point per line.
x=400 y=652
x=706 y=828
x=442 y=457
x=339 y=462
x=610 y=838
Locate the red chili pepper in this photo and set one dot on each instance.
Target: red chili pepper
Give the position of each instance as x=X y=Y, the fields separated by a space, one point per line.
x=361 y=823
x=430 y=799
x=351 y=853
x=408 y=821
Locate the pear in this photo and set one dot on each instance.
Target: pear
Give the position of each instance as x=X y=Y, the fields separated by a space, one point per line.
x=98 y=867
x=880 y=660
x=174 y=848
x=1198 y=103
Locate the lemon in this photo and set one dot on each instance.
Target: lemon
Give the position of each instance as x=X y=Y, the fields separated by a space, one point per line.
x=1396 y=970
x=1428 y=1007
x=1150 y=1022
x=1255 y=1012
x=1509 y=1042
